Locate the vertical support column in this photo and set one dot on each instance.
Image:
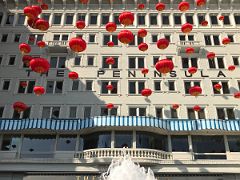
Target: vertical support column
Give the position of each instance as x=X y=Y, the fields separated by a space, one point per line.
x=63 y=19
x=1 y=139
x=75 y=18
x=134 y=145
x=15 y=19
x=169 y=143
x=99 y=18
x=87 y=19
x=4 y=18
x=183 y=18
x=112 y=139
x=159 y=19
x=226 y=145
x=18 y=155
x=55 y=144
x=190 y=146
x=51 y=19
x=111 y=17
x=77 y=143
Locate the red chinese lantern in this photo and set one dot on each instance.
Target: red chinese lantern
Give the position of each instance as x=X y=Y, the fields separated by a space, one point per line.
x=187 y=28
x=39 y=90
x=164 y=66
x=217 y=87
x=80 y=24
x=146 y=92
x=125 y=36
x=73 y=75
x=143 y=47
x=23 y=84
x=77 y=44
x=226 y=41
x=189 y=50
x=44 y=6
x=26 y=59
x=109 y=106
x=110 y=44
x=141 y=6
x=183 y=6
x=221 y=18
x=145 y=71
x=175 y=106
x=19 y=106
x=39 y=65
x=195 y=91
x=38 y=9
x=111 y=27
x=204 y=23
x=231 y=68
x=41 y=44
x=110 y=61
x=30 y=22
x=42 y=24
x=211 y=55
x=24 y=48
x=200 y=2
x=160 y=6
x=197 y=108
x=237 y=95
x=109 y=87
x=142 y=33
x=84 y=1
x=162 y=43
x=126 y=18
x=30 y=12
x=192 y=70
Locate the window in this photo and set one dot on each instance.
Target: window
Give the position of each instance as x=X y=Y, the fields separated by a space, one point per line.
x=1 y=111
x=177 y=19
x=189 y=18
x=133 y=43
x=155 y=59
x=141 y=19
x=57 y=19
x=69 y=19
x=56 y=37
x=201 y=18
x=235 y=61
x=4 y=38
x=9 y=19
x=57 y=62
x=96 y=140
x=179 y=143
x=189 y=62
x=189 y=84
x=87 y=112
x=104 y=89
x=196 y=114
x=26 y=89
x=10 y=142
x=34 y=38
x=11 y=60
x=231 y=37
x=6 y=85
x=237 y=19
x=225 y=113
x=50 y=112
x=93 y=19
x=113 y=38
x=123 y=139
x=224 y=90
x=168 y=37
x=75 y=85
x=1 y=59
x=108 y=112
x=133 y=111
x=105 y=19
x=135 y=87
x=54 y=87
x=90 y=61
x=214 y=19
x=77 y=61
x=1 y=17
x=217 y=63
x=165 y=19
x=153 y=19
x=174 y=113
x=107 y=66
x=186 y=37
x=171 y=86
x=66 y=143
x=136 y=62
x=89 y=85
x=17 y=37
x=92 y=38
x=226 y=20
x=159 y=112
x=157 y=85
x=207 y=40
x=154 y=38
x=22 y=115
x=21 y=19
x=212 y=39
x=81 y=16
x=216 y=40
x=46 y=17
x=73 y=112
x=116 y=20
x=234 y=143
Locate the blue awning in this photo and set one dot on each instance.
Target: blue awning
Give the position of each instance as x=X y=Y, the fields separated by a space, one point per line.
x=119 y=121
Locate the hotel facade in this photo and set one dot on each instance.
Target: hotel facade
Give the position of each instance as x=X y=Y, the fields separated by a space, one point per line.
x=69 y=134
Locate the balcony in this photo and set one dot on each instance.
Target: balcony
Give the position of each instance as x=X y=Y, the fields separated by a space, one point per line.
x=57 y=46
x=182 y=45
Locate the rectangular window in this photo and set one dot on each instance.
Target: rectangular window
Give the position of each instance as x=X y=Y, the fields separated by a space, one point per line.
x=154 y=38
x=107 y=66
x=136 y=87
x=155 y=59
x=4 y=38
x=104 y=85
x=93 y=19
x=168 y=37
x=136 y=62
x=46 y=17
x=141 y=19
x=165 y=19
x=171 y=85
x=57 y=62
x=116 y=20
x=137 y=111
x=189 y=18
x=57 y=19
x=1 y=59
x=51 y=112
x=216 y=40
x=189 y=84
x=64 y=37
x=69 y=19
x=11 y=60
x=237 y=19
x=9 y=19
x=174 y=113
x=226 y=20
x=233 y=142
x=105 y=19
x=1 y=17
x=225 y=113
x=106 y=112
x=90 y=61
x=26 y=87
x=92 y=38
x=87 y=112
x=34 y=38
x=201 y=18
x=77 y=61
x=177 y=20
x=17 y=37
x=81 y=16
x=191 y=113
x=10 y=142
x=89 y=85
x=220 y=62
x=54 y=87
x=153 y=19
x=75 y=85
x=21 y=19
x=231 y=38
x=180 y=143
x=236 y=61
x=208 y=40
x=73 y=112
x=159 y=112
x=22 y=115
x=157 y=85
x=1 y=111
x=214 y=19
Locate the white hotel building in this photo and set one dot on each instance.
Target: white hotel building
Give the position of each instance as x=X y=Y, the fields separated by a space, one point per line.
x=67 y=134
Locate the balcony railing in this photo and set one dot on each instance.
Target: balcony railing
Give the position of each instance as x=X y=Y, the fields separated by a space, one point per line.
x=189 y=43
x=57 y=43
x=114 y=153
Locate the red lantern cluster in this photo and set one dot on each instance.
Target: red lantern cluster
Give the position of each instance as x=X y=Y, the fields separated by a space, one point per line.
x=160 y=6
x=126 y=18
x=41 y=24
x=200 y=2
x=237 y=95
x=26 y=59
x=73 y=75
x=192 y=70
x=145 y=71
x=226 y=41
x=80 y=24
x=31 y=12
x=175 y=106
x=197 y=108
x=110 y=44
x=162 y=43
x=146 y=92
x=141 y=6
x=195 y=91
x=110 y=61
x=109 y=87
x=111 y=27
x=23 y=84
x=143 y=47
x=231 y=68
x=142 y=33
x=217 y=86
x=204 y=23
x=187 y=28
x=39 y=90
x=19 y=106
x=39 y=65
x=25 y=48
x=77 y=44
x=125 y=36
x=84 y=1
x=44 y=6
x=189 y=50
x=41 y=44
x=221 y=18
x=211 y=55
x=164 y=66
x=183 y=6
x=109 y=106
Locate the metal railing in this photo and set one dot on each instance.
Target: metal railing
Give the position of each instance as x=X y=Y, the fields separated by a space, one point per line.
x=189 y=43
x=57 y=43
